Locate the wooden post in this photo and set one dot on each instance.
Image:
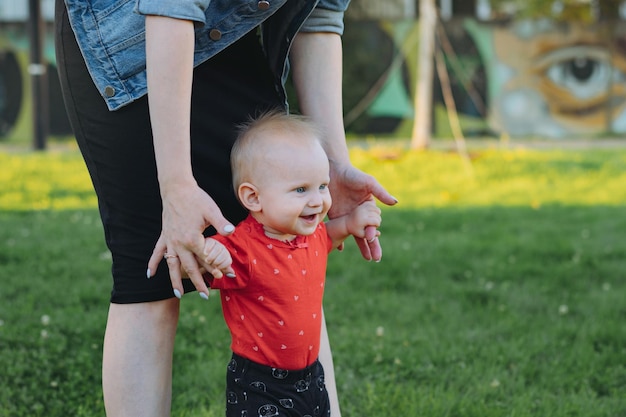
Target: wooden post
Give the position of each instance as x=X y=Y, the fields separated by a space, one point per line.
x=38 y=76
x=422 y=121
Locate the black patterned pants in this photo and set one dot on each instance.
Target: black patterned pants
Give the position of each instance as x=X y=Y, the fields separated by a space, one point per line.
x=254 y=390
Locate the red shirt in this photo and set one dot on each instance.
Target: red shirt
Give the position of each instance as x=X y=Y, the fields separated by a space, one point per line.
x=273 y=307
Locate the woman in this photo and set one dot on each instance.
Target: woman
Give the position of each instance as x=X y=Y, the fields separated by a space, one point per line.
x=159 y=161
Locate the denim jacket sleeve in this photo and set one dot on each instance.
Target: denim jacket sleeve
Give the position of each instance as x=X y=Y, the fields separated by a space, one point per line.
x=180 y=9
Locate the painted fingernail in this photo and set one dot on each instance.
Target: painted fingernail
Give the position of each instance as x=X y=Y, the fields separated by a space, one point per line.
x=177 y=293
x=230 y=275
x=204 y=296
x=229 y=228
x=148 y=273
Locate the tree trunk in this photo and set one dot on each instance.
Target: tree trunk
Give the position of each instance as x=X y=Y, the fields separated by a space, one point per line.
x=422 y=124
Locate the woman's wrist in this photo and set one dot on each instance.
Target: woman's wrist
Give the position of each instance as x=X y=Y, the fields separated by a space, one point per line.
x=174 y=183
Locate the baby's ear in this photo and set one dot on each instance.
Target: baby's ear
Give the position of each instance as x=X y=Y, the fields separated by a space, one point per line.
x=249 y=197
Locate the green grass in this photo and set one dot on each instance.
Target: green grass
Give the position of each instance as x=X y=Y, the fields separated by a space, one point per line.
x=501 y=292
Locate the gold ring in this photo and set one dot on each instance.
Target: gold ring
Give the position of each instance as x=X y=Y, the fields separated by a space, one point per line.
x=168 y=256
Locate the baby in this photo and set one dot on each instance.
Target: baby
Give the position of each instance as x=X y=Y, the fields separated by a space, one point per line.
x=273 y=304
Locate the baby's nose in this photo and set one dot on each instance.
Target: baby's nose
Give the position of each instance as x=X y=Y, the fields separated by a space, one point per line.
x=316 y=199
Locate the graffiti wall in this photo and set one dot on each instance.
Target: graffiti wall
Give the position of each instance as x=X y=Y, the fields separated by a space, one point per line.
x=537 y=79
x=527 y=78
x=15 y=91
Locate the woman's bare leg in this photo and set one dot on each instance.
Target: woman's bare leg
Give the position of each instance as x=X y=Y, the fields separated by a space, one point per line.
x=137 y=362
x=326 y=358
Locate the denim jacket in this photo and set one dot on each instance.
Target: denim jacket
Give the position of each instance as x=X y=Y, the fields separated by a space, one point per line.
x=111 y=34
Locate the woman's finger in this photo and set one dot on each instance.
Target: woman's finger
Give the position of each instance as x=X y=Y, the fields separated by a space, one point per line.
x=157 y=255
x=383 y=195
x=191 y=267
x=376 y=250
x=364 y=248
x=173 y=264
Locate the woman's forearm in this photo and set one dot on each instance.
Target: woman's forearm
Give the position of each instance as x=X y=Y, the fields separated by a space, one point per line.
x=169 y=60
x=316 y=60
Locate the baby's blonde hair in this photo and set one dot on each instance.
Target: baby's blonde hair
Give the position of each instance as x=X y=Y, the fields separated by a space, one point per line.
x=255 y=134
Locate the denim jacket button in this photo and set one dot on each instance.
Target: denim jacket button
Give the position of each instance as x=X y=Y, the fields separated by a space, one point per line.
x=263 y=5
x=215 y=34
x=109 y=91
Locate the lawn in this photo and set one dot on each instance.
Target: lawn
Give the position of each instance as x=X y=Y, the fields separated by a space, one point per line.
x=500 y=293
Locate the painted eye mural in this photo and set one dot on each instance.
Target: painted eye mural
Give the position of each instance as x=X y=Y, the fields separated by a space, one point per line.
x=554 y=80
x=521 y=78
x=581 y=83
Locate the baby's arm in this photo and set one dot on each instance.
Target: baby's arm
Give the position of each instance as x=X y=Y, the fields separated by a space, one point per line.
x=354 y=223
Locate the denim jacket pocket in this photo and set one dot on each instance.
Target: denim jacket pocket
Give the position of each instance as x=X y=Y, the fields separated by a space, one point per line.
x=124 y=48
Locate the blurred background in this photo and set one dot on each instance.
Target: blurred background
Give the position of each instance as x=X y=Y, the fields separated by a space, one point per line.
x=413 y=69
x=502 y=285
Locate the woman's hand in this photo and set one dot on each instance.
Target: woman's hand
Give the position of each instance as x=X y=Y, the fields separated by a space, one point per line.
x=349 y=188
x=187 y=212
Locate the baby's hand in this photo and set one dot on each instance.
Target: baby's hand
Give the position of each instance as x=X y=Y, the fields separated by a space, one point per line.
x=216 y=260
x=363 y=223
x=364 y=215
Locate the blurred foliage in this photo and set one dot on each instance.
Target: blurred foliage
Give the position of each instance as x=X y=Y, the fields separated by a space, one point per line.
x=565 y=10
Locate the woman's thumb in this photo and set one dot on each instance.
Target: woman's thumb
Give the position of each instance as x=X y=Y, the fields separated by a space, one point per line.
x=224 y=228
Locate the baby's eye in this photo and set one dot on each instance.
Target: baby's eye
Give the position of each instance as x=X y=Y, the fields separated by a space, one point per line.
x=300 y=190
x=323 y=186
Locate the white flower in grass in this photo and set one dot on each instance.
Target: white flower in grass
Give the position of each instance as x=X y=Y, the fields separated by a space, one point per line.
x=563 y=309
x=489 y=286
x=380 y=331
x=45 y=319
x=495 y=383
x=54 y=384
x=105 y=256
x=44 y=334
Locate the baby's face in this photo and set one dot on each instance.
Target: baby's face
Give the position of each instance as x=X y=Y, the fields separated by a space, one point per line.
x=293 y=189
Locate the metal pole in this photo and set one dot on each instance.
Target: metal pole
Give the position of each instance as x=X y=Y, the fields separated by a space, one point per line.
x=38 y=76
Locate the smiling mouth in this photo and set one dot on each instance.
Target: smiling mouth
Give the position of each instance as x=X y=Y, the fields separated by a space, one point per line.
x=310 y=217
